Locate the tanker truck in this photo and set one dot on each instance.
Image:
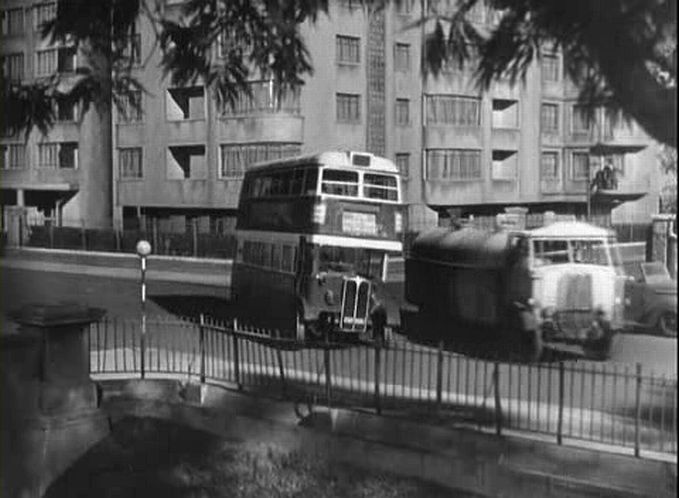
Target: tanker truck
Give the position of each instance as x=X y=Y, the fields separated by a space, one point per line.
x=522 y=292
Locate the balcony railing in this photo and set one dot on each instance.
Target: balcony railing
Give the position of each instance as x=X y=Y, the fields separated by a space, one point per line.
x=265 y=97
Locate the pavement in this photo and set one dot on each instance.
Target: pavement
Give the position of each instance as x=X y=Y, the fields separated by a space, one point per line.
x=199 y=271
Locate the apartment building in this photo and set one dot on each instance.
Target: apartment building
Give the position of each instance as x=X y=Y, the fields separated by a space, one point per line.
x=461 y=151
x=65 y=173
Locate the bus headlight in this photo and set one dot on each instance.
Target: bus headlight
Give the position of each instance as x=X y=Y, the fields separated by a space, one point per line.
x=319 y=213
x=398 y=222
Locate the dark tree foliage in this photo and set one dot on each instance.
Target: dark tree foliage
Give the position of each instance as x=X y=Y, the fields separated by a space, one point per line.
x=621 y=53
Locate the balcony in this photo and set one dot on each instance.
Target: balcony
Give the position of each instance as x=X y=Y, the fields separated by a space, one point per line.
x=551 y=186
x=446 y=192
x=266 y=97
x=267 y=112
x=602 y=194
x=605 y=135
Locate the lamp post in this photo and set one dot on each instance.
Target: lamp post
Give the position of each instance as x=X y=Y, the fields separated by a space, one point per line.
x=143 y=250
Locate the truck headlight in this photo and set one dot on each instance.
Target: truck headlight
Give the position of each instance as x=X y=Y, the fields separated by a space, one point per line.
x=329 y=297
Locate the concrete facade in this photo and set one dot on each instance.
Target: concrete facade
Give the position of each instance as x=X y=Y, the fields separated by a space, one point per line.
x=66 y=173
x=461 y=151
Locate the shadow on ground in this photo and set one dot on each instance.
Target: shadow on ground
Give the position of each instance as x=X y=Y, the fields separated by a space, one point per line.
x=193 y=305
x=148 y=457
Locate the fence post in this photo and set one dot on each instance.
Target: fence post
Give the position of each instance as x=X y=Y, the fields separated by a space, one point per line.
x=439 y=375
x=142 y=344
x=637 y=413
x=154 y=232
x=378 y=403
x=281 y=369
x=326 y=361
x=201 y=329
x=22 y=229
x=559 y=426
x=51 y=234
x=83 y=235
x=496 y=390
x=236 y=359
x=194 y=236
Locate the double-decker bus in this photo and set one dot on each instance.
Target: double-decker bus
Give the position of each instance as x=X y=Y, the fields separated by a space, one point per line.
x=314 y=236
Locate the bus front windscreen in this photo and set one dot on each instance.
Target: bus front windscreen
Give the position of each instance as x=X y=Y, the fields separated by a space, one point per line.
x=366 y=262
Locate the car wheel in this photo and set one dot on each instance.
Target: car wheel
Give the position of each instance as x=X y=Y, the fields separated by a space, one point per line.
x=667 y=324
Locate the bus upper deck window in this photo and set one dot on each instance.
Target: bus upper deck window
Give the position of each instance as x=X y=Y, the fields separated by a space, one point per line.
x=383 y=187
x=340 y=182
x=310 y=182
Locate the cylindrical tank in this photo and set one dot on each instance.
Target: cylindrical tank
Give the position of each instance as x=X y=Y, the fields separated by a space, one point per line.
x=440 y=247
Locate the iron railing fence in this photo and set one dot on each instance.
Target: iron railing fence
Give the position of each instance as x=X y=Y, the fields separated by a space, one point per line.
x=190 y=243
x=614 y=404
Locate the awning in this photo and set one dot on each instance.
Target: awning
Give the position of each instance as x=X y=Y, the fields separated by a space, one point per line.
x=615 y=197
x=605 y=149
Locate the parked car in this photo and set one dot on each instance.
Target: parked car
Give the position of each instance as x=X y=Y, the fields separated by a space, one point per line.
x=651 y=299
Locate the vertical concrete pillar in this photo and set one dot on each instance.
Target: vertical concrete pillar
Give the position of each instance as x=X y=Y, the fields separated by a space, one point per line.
x=17 y=229
x=50 y=406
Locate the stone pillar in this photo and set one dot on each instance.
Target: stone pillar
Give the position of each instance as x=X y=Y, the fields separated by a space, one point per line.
x=517 y=215
x=50 y=406
x=17 y=227
x=663 y=241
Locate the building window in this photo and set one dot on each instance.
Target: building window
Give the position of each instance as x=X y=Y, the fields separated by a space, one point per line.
x=265 y=97
x=453 y=164
x=130 y=107
x=53 y=60
x=185 y=103
x=348 y=108
x=67 y=112
x=549 y=118
x=186 y=162
x=453 y=110
x=130 y=162
x=550 y=68
x=13 y=66
x=549 y=166
x=132 y=50
x=581 y=121
x=13 y=156
x=58 y=155
x=235 y=158
x=12 y=22
x=402 y=112
x=348 y=49
x=504 y=165
x=402 y=57
x=505 y=113
x=580 y=166
x=43 y=13
x=403 y=164
x=46 y=62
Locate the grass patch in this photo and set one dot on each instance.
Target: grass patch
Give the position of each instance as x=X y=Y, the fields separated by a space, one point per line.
x=148 y=457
